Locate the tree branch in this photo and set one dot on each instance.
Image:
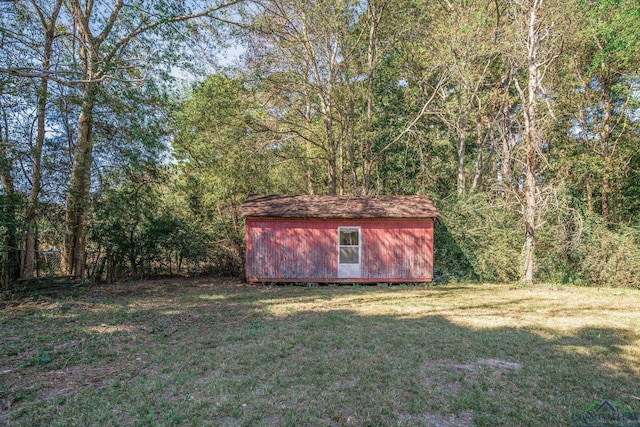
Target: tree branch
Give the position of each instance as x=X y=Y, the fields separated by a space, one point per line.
x=206 y=13
x=110 y=22
x=415 y=120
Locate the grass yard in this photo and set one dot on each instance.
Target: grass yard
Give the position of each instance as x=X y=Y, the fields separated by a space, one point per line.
x=208 y=352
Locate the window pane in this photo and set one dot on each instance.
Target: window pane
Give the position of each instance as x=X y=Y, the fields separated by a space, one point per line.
x=348 y=255
x=349 y=237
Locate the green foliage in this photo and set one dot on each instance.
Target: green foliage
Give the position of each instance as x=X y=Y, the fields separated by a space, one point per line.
x=11 y=219
x=614 y=26
x=477 y=239
x=225 y=152
x=629 y=197
x=221 y=143
x=608 y=257
x=140 y=232
x=426 y=101
x=10 y=207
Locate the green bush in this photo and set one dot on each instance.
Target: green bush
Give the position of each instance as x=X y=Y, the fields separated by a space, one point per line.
x=608 y=257
x=478 y=238
x=482 y=239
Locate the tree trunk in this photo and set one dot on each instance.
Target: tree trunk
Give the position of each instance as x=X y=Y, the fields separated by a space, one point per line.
x=481 y=162
x=43 y=92
x=606 y=191
x=371 y=61
x=605 y=147
x=589 y=192
x=74 y=251
x=354 y=169
x=308 y=162
x=310 y=188
x=505 y=163
x=11 y=268
x=529 y=215
x=341 y=166
x=505 y=127
x=32 y=205
x=110 y=273
x=74 y=254
x=331 y=164
x=532 y=139
x=461 y=141
x=331 y=149
x=461 y=148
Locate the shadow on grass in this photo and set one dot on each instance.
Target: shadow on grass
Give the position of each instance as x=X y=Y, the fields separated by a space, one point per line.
x=231 y=362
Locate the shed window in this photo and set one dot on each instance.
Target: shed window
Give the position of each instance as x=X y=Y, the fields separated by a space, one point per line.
x=349 y=245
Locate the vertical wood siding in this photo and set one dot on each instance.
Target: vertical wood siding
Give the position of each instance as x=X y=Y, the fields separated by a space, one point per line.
x=307 y=250
x=398 y=250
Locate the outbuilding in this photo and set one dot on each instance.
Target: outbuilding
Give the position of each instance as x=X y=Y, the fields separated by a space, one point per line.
x=339 y=239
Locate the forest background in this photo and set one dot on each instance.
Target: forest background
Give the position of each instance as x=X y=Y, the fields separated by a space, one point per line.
x=131 y=132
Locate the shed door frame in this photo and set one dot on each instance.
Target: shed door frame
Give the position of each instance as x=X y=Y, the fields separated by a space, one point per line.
x=348 y=265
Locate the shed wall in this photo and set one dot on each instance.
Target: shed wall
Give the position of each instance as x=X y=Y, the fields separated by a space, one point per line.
x=299 y=250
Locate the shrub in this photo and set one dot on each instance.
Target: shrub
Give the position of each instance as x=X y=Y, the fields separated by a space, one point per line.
x=608 y=257
x=478 y=238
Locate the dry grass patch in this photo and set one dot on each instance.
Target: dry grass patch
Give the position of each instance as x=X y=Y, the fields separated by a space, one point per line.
x=221 y=353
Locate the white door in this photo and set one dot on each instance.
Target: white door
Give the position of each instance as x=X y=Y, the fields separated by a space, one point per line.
x=349 y=252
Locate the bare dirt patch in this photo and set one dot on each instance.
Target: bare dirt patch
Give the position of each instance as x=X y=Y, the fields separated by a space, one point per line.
x=488 y=363
x=465 y=419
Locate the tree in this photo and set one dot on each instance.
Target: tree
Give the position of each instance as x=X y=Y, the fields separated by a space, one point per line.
x=107 y=46
x=540 y=42
x=468 y=51
x=104 y=43
x=604 y=66
x=48 y=24
x=224 y=153
x=9 y=267
x=300 y=49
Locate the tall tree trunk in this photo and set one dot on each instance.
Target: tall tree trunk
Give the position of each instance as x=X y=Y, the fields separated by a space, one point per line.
x=354 y=170
x=32 y=205
x=36 y=153
x=308 y=120
x=589 y=192
x=505 y=162
x=331 y=153
x=606 y=190
x=461 y=147
x=310 y=188
x=10 y=269
x=481 y=162
x=529 y=214
x=374 y=16
x=531 y=135
x=461 y=131
x=341 y=166
x=506 y=138
x=605 y=147
x=74 y=251
x=327 y=111
x=74 y=254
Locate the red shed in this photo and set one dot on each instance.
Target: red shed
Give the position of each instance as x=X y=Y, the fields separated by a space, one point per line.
x=349 y=239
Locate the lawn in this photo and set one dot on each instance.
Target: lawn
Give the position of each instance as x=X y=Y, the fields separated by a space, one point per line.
x=212 y=352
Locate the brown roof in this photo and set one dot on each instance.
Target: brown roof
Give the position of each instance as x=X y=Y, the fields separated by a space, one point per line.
x=343 y=207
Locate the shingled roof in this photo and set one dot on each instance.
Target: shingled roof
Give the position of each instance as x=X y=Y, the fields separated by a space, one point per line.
x=338 y=207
